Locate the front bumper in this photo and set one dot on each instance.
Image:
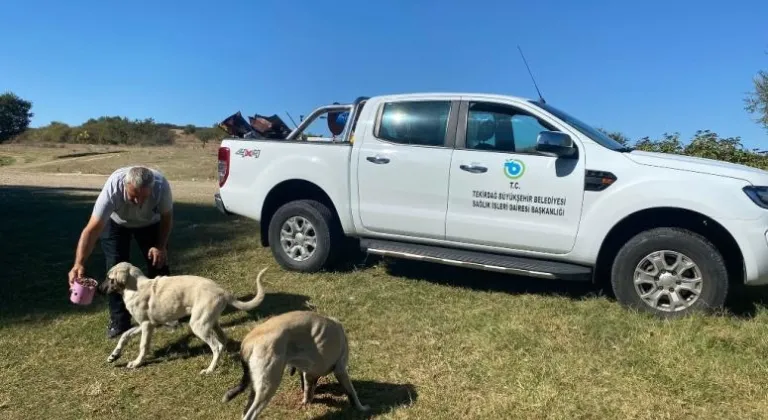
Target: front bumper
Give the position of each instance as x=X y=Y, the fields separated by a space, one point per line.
x=220 y=204
x=752 y=239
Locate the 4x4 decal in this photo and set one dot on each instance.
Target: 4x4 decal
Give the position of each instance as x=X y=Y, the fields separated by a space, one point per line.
x=254 y=153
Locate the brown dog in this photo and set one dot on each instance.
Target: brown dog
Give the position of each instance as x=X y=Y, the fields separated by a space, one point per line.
x=165 y=299
x=302 y=340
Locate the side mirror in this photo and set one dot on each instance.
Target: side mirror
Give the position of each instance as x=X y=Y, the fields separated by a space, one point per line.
x=555 y=143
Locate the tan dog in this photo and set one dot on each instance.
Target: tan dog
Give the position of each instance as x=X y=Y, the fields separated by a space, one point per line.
x=165 y=299
x=314 y=344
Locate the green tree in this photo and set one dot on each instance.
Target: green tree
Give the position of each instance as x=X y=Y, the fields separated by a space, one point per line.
x=616 y=135
x=669 y=143
x=706 y=144
x=14 y=115
x=757 y=100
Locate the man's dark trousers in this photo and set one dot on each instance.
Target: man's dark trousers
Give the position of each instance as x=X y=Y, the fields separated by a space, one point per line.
x=116 y=245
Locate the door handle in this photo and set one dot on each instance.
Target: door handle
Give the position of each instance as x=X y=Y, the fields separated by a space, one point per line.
x=473 y=168
x=377 y=159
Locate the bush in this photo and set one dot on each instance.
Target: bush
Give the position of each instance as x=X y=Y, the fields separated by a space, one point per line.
x=206 y=134
x=7 y=160
x=103 y=131
x=704 y=144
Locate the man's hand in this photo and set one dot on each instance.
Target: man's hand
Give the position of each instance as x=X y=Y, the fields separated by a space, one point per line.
x=157 y=256
x=77 y=271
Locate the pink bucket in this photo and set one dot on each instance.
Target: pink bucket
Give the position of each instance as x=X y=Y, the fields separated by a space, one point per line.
x=82 y=291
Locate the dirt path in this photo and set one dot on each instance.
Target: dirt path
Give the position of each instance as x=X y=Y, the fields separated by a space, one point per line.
x=197 y=191
x=88 y=158
x=21 y=165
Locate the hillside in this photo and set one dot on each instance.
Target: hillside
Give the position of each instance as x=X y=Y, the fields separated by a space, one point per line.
x=114 y=130
x=185 y=160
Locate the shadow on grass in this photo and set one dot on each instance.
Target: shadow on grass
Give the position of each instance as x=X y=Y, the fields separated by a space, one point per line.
x=488 y=281
x=40 y=227
x=743 y=302
x=381 y=397
x=83 y=154
x=353 y=258
x=274 y=304
x=39 y=230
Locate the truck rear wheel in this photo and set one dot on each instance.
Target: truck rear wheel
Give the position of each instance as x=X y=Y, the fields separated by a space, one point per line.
x=669 y=272
x=303 y=236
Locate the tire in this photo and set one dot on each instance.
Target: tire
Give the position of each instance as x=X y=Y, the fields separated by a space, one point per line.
x=709 y=265
x=326 y=230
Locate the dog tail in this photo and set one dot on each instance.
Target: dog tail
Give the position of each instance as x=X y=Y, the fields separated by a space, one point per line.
x=245 y=380
x=256 y=301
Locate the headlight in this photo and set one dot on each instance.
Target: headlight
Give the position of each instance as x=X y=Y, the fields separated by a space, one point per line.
x=758 y=194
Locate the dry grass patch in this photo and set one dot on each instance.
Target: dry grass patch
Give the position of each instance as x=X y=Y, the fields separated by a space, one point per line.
x=181 y=162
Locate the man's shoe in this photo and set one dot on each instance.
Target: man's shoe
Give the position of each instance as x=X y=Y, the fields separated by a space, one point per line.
x=116 y=329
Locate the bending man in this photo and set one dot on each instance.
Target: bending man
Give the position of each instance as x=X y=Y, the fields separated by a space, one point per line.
x=134 y=202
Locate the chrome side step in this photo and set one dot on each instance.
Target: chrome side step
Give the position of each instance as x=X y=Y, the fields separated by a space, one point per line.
x=478 y=260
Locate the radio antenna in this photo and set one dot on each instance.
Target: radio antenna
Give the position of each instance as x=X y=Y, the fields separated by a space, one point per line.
x=294 y=122
x=541 y=98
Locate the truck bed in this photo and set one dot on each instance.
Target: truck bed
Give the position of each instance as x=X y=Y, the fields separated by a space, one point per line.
x=256 y=166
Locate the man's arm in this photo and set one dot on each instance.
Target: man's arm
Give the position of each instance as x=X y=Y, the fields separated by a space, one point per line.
x=166 y=216
x=85 y=245
x=166 y=223
x=101 y=210
x=88 y=238
x=158 y=254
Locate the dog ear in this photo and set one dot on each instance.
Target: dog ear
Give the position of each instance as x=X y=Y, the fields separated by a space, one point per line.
x=117 y=277
x=135 y=272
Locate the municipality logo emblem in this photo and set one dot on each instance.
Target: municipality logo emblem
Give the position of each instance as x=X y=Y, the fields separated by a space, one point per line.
x=514 y=168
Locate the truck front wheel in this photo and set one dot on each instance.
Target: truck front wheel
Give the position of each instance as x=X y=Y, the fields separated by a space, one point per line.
x=669 y=272
x=303 y=236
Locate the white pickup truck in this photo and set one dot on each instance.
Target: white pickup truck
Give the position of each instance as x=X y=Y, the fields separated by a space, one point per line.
x=505 y=184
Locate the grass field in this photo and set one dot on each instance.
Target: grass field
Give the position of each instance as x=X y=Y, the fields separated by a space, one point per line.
x=427 y=342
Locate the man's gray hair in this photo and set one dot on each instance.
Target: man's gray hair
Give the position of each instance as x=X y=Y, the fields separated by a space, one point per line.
x=139 y=177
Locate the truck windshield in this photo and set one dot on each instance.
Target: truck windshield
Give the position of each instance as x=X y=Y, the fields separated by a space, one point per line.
x=598 y=136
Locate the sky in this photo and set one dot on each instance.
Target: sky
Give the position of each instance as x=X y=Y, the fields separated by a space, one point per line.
x=641 y=68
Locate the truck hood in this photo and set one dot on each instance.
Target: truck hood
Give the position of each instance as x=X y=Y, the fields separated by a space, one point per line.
x=701 y=165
